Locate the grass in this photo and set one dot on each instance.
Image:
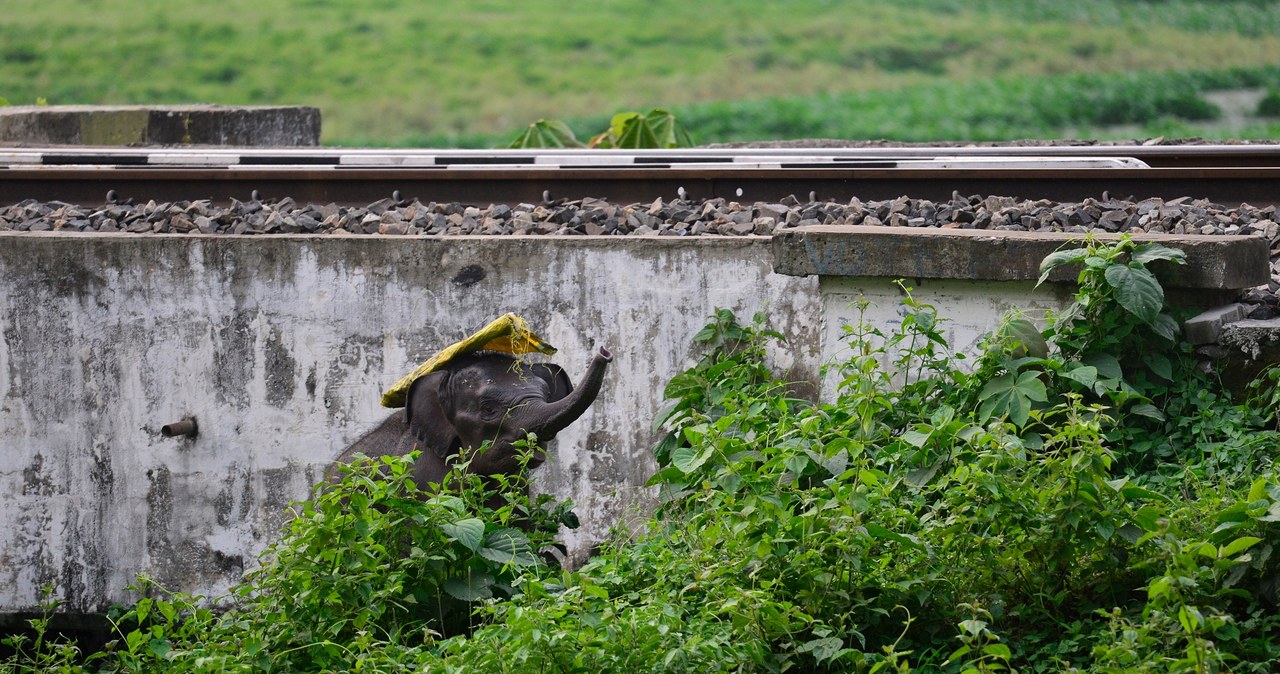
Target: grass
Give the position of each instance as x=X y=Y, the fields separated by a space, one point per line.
x=397 y=72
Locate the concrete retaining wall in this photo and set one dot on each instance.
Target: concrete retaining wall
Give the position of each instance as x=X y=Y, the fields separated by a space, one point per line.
x=253 y=125
x=281 y=346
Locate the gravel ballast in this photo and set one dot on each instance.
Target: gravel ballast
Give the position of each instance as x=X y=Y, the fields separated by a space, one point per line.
x=676 y=217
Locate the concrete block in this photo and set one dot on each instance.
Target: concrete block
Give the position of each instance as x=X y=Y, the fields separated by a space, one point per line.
x=245 y=126
x=1205 y=328
x=1252 y=338
x=1213 y=262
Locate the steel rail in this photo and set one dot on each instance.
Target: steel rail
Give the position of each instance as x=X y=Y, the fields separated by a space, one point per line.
x=1227 y=186
x=1199 y=155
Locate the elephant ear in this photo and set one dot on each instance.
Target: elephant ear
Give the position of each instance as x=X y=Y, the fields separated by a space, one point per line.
x=558 y=383
x=426 y=416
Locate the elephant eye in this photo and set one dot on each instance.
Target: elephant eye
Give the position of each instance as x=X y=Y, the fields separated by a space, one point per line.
x=489 y=409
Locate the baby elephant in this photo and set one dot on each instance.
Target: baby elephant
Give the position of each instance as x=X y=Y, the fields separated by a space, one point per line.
x=478 y=397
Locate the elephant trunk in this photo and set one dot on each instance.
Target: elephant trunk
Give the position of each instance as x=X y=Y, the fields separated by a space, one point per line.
x=547 y=419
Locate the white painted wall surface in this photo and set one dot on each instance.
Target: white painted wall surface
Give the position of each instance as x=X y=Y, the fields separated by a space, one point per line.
x=280 y=347
x=967 y=311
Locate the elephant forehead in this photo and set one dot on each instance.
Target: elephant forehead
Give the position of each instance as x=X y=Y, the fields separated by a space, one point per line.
x=497 y=383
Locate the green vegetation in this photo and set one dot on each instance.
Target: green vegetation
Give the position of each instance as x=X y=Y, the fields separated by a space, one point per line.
x=1081 y=498
x=1142 y=104
x=1269 y=106
x=456 y=72
x=654 y=129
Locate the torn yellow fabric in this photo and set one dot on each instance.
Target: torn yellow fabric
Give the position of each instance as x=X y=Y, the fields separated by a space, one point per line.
x=508 y=333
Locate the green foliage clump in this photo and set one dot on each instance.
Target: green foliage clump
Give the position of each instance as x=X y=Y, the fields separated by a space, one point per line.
x=627 y=130
x=1269 y=105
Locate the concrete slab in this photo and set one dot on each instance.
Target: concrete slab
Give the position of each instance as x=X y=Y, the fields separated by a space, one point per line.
x=1205 y=327
x=1253 y=338
x=1213 y=262
x=246 y=126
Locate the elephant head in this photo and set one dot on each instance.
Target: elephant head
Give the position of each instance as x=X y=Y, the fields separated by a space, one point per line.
x=482 y=397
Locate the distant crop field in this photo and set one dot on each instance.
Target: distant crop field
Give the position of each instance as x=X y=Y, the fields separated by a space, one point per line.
x=472 y=72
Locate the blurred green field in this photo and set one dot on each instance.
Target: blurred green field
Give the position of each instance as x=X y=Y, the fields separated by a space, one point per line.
x=472 y=72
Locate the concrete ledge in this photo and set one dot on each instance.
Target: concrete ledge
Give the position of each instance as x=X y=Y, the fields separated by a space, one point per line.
x=1206 y=327
x=1213 y=262
x=250 y=126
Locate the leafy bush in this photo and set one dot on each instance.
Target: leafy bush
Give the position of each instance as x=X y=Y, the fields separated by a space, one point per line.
x=1269 y=105
x=654 y=129
x=921 y=526
x=370 y=573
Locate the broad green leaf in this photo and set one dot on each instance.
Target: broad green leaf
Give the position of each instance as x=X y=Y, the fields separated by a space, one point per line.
x=1010 y=395
x=1024 y=332
x=474 y=587
x=1130 y=533
x=508 y=546
x=630 y=130
x=546 y=133
x=835 y=465
x=796 y=464
x=621 y=122
x=1107 y=365
x=448 y=501
x=1238 y=545
x=667 y=130
x=1258 y=490
x=822 y=649
x=1159 y=587
x=1086 y=375
x=1058 y=258
x=1137 y=290
x=1166 y=327
x=998 y=650
x=1160 y=364
x=662 y=450
x=1133 y=492
x=1147 y=410
x=669 y=474
x=877 y=531
x=687 y=459
x=916 y=438
x=469 y=532
x=1190 y=618
x=922 y=476
x=1150 y=252
x=1148 y=517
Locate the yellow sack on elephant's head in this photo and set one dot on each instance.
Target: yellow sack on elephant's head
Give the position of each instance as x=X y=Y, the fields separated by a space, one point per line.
x=508 y=333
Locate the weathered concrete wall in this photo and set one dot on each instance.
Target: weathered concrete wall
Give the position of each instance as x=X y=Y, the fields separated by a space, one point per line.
x=280 y=347
x=251 y=125
x=967 y=310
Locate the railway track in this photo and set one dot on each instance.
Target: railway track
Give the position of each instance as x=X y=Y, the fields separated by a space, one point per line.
x=1224 y=174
